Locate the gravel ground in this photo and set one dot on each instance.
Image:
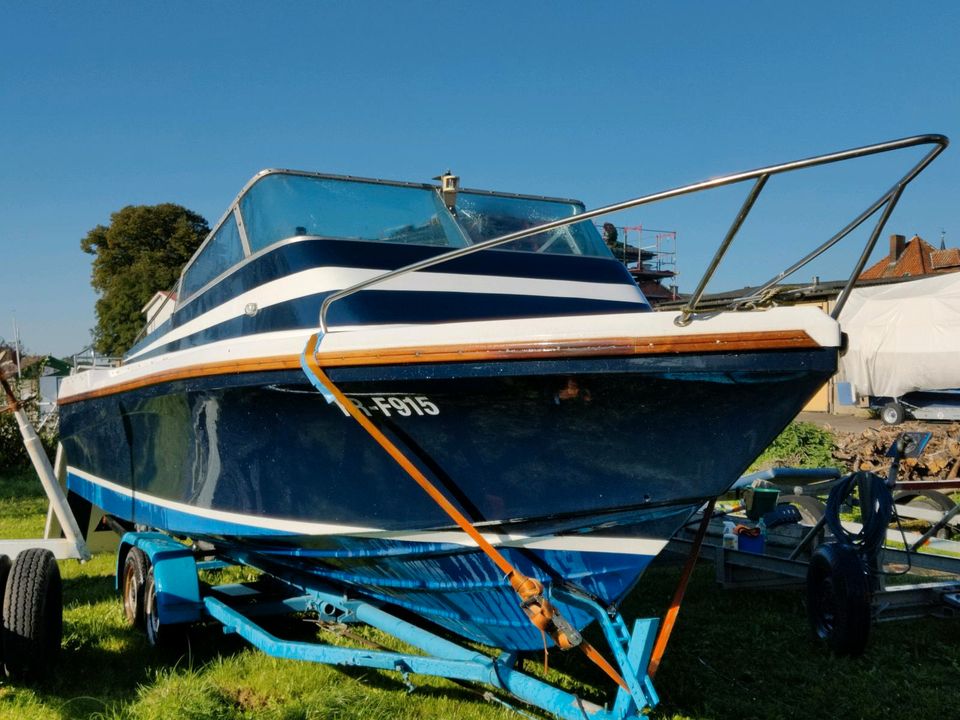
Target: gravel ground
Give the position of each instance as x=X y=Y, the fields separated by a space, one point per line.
x=845 y=423
x=860 y=420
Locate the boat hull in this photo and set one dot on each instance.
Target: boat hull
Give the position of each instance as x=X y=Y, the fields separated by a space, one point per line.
x=569 y=451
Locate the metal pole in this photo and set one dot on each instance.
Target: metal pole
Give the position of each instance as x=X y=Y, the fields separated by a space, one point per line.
x=687 y=312
x=34 y=447
x=16 y=346
x=865 y=255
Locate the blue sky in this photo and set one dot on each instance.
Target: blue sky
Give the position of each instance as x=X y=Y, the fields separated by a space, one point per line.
x=108 y=104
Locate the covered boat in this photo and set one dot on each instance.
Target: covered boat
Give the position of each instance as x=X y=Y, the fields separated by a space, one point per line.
x=904 y=340
x=336 y=338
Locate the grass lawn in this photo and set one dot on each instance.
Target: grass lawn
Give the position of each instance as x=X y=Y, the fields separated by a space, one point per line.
x=734 y=654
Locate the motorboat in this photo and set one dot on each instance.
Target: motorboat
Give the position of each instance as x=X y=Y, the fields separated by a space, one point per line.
x=331 y=324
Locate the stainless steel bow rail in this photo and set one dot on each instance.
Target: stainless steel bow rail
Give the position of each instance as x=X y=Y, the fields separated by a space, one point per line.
x=884 y=205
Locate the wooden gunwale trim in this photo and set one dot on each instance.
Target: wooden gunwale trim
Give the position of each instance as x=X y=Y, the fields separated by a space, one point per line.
x=654 y=345
x=547 y=350
x=225 y=367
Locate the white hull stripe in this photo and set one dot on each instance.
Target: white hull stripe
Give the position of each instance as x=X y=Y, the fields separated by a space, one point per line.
x=258 y=521
x=574 y=543
x=579 y=543
x=328 y=279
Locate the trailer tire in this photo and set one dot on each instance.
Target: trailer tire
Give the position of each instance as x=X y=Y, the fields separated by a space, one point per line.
x=838 y=598
x=135 y=567
x=32 y=616
x=161 y=635
x=892 y=413
x=927 y=499
x=4 y=574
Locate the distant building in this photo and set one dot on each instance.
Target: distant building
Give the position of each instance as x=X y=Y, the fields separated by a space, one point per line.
x=915 y=258
x=159 y=309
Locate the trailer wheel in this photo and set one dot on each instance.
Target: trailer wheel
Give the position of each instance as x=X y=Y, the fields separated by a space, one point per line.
x=161 y=635
x=32 y=615
x=838 y=598
x=892 y=413
x=927 y=499
x=134 y=578
x=4 y=574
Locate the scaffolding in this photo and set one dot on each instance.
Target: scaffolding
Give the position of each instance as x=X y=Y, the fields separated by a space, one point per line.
x=650 y=255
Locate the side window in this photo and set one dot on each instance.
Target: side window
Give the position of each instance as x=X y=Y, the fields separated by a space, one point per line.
x=222 y=252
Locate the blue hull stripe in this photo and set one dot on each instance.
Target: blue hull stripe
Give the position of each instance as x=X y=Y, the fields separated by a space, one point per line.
x=389 y=307
x=295 y=257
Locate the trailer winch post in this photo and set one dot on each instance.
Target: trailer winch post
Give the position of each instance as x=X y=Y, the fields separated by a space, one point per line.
x=76 y=547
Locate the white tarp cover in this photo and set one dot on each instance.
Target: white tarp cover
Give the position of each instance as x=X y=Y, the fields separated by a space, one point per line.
x=903 y=337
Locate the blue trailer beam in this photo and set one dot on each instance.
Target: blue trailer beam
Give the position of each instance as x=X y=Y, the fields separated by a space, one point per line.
x=180 y=600
x=471 y=667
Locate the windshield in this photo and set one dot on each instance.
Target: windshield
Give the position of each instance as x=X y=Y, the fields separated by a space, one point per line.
x=281 y=205
x=485 y=216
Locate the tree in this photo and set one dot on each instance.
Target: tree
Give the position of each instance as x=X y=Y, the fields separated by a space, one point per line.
x=142 y=251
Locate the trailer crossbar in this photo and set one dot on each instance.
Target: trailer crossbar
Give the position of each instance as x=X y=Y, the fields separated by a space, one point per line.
x=443 y=658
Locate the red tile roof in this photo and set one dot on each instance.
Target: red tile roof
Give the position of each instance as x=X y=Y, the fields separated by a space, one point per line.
x=949 y=258
x=918 y=258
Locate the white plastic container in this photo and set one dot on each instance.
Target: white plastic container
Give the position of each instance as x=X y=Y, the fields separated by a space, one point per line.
x=729 y=536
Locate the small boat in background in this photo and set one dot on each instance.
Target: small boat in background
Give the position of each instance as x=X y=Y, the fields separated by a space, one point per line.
x=330 y=322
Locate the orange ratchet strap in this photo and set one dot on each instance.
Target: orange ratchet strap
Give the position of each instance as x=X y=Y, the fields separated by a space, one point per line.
x=670 y=619
x=538 y=609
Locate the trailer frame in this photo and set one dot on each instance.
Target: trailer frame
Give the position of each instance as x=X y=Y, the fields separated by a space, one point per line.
x=181 y=600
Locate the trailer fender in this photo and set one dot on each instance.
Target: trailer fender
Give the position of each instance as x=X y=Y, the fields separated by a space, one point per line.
x=175 y=575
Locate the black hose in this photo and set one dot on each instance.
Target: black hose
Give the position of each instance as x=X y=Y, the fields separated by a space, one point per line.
x=876 y=509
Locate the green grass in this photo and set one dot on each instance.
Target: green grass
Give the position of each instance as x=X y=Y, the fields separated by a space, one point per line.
x=734 y=654
x=23 y=506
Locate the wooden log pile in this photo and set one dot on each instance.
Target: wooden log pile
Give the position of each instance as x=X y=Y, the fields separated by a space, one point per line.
x=867 y=450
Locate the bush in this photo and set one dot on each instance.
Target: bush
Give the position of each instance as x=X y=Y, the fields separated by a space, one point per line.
x=13 y=456
x=801 y=444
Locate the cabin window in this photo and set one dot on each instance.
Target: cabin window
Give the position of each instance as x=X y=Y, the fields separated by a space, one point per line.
x=281 y=206
x=219 y=254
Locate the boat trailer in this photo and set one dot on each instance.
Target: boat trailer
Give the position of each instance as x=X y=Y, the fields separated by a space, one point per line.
x=158 y=579
x=845 y=565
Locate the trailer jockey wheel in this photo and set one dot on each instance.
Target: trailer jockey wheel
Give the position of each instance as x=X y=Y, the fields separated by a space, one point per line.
x=4 y=574
x=838 y=598
x=32 y=615
x=134 y=579
x=892 y=413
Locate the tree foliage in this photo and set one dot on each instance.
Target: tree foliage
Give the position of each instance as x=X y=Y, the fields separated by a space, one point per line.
x=801 y=444
x=142 y=251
